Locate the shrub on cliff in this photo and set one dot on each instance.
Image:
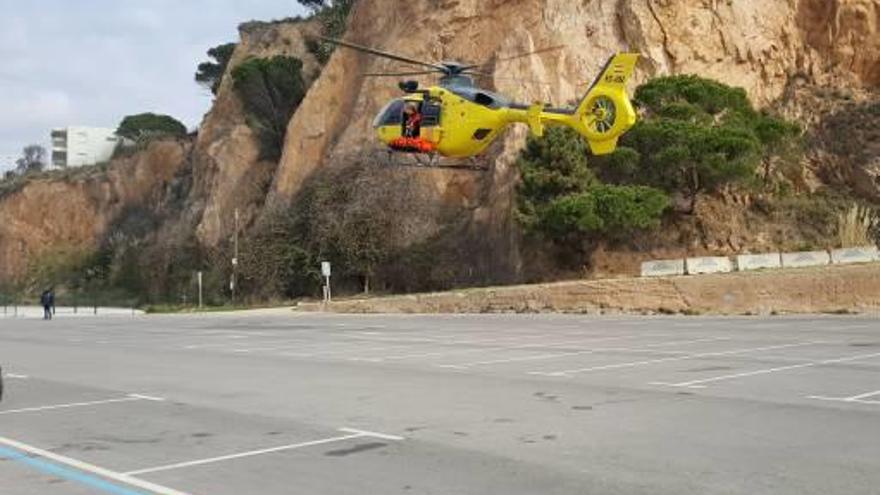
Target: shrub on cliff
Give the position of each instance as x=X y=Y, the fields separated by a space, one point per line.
x=150 y=125
x=210 y=74
x=271 y=90
x=333 y=16
x=604 y=209
x=357 y=216
x=561 y=198
x=34 y=158
x=695 y=135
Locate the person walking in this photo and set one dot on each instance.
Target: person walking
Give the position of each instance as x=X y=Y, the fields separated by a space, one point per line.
x=46 y=302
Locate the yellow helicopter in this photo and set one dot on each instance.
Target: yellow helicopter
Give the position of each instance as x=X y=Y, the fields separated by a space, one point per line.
x=457 y=119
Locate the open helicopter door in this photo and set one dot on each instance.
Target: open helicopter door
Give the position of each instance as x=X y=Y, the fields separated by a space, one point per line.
x=419 y=132
x=431 y=130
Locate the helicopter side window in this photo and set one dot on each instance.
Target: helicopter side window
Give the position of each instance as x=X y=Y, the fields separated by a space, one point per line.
x=484 y=99
x=392 y=114
x=431 y=114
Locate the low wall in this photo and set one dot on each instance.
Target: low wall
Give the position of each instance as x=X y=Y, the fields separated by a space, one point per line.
x=864 y=254
x=709 y=264
x=829 y=289
x=662 y=268
x=805 y=258
x=746 y=262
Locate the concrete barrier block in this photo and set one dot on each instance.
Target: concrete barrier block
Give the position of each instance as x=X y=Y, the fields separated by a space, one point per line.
x=709 y=264
x=805 y=258
x=746 y=262
x=862 y=254
x=662 y=268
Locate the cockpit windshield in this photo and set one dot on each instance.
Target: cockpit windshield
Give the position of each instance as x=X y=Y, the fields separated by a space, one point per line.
x=392 y=114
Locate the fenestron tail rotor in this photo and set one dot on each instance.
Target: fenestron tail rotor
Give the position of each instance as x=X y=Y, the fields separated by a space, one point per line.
x=604 y=111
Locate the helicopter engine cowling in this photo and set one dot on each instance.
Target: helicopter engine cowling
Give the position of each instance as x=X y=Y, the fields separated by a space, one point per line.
x=408 y=86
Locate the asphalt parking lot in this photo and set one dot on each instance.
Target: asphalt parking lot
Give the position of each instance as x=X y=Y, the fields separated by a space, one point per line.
x=274 y=402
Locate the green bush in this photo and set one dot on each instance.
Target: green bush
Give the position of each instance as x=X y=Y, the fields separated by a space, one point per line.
x=148 y=125
x=357 y=216
x=271 y=90
x=562 y=198
x=701 y=96
x=696 y=135
x=210 y=74
x=605 y=209
x=333 y=17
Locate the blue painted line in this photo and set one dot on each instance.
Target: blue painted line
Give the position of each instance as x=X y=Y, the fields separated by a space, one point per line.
x=65 y=473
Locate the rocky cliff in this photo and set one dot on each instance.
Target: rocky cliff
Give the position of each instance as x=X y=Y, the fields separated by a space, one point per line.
x=74 y=210
x=783 y=52
x=758 y=45
x=779 y=51
x=228 y=172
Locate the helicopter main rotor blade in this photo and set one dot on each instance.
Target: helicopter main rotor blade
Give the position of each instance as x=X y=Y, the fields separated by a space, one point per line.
x=400 y=74
x=519 y=56
x=506 y=78
x=380 y=53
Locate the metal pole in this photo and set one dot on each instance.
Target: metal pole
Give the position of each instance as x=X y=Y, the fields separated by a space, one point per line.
x=327 y=284
x=235 y=259
x=200 y=289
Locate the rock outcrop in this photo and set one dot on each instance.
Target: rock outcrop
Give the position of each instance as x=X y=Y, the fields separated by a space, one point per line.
x=757 y=45
x=228 y=171
x=779 y=51
x=73 y=212
x=764 y=47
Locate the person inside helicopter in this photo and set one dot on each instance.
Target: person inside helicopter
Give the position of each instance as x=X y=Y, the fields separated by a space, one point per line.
x=412 y=120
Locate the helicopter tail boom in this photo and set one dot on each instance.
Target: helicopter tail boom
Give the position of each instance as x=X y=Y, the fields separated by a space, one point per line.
x=604 y=114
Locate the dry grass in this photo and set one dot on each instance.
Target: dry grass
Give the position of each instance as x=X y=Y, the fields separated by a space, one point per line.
x=855 y=226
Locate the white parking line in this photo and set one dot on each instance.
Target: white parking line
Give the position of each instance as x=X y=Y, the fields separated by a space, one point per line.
x=644 y=349
x=82 y=466
x=366 y=433
x=856 y=398
x=347 y=349
x=566 y=373
x=128 y=398
x=517 y=343
x=701 y=383
x=15 y=376
x=352 y=433
x=228 y=343
x=147 y=397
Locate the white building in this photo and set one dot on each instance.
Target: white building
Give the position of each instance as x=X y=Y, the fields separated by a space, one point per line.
x=77 y=146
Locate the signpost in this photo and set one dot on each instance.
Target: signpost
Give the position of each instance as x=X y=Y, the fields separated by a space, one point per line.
x=200 y=289
x=233 y=281
x=325 y=272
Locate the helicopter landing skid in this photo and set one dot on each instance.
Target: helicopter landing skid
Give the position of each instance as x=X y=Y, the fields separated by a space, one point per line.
x=431 y=160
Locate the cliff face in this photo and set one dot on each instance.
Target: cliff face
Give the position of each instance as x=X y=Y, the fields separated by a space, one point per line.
x=780 y=51
x=768 y=48
x=754 y=44
x=228 y=172
x=75 y=212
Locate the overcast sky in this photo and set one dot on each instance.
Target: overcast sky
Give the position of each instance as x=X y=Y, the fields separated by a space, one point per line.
x=91 y=62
